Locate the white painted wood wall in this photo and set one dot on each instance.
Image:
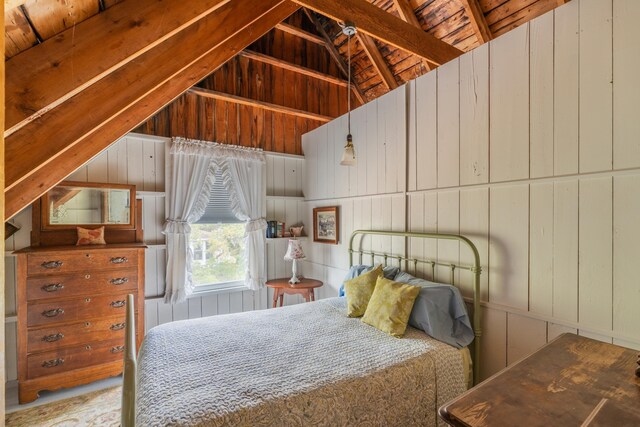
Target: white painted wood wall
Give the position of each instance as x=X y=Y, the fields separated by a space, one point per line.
x=530 y=145
x=140 y=160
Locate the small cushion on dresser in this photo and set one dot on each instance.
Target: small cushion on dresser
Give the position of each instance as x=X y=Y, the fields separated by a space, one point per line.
x=87 y=236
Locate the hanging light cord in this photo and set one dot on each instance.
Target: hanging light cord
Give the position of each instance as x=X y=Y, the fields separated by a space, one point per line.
x=349 y=84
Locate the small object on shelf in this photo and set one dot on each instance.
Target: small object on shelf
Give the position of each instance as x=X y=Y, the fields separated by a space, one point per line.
x=271 y=229
x=296 y=231
x=294 y=253
x=280 y=229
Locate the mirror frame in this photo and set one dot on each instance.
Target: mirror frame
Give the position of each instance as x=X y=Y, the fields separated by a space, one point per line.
x=45 y=225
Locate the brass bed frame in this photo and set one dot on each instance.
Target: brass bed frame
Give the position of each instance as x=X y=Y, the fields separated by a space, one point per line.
x=129 y=376
x=475 y=270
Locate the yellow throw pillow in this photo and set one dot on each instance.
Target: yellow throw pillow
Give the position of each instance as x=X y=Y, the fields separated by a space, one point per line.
x=390 y=306
x=358 y=291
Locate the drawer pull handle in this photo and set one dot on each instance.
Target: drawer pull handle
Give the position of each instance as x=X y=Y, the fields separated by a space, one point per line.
x=52 y=363
x=117 y=349
x=52 y=287
x=118 y=304
x=117 y=326
x=53 y=313
x=119 y=260
x=52 y=264
x=53 y=337
x=119 y=281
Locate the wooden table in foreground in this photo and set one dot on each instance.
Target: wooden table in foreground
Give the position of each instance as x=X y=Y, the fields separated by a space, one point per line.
x=572 y=381
x=282 y=286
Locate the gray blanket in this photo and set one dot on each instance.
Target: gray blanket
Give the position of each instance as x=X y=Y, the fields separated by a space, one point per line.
x=307 y=364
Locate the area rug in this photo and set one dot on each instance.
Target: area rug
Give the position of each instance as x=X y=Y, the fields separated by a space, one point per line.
x=99 y=408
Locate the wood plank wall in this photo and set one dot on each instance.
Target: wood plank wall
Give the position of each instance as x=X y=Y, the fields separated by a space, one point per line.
x=140 y=160
x=528 y=145
x=196 y=117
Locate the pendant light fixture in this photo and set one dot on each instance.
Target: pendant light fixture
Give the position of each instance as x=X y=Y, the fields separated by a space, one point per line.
x=349 y=154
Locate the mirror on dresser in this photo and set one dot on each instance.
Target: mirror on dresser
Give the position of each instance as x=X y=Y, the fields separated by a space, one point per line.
x=89 y=205
x=71 y=300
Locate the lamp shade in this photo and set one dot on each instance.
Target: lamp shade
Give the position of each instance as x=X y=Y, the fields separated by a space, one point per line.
x=348 y=156
x=294 y=251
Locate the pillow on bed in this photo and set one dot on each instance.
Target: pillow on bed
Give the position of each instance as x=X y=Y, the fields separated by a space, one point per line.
x=390 y=306
x=356 y=270
x=439 y=311
x=359 y=291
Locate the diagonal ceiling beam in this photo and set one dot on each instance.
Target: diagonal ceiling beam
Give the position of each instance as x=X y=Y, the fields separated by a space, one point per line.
x=299 y=32
x=280 y=63
x=240 y=100
x=49 y=74
x=377 y=60
x=385 y=27
x=404 y=9
x=12 y=4
x=111 y=107
x=337 y=58
x=478 y=20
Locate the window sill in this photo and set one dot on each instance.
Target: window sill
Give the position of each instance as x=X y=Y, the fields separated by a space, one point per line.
x=225 y=288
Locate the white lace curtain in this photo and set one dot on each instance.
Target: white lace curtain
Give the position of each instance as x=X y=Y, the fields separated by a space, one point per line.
x=192 y=167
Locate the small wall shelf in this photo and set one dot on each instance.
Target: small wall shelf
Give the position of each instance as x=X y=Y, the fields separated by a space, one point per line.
x=150 y=193
x=300 y=198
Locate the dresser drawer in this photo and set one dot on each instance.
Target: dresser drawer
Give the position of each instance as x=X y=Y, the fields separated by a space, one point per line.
x=67 y=359
x=86 y=283
x=73 y=310
x=79 y=261
x=52 y=337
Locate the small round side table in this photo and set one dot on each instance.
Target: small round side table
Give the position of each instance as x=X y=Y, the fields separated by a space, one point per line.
x=305 y=288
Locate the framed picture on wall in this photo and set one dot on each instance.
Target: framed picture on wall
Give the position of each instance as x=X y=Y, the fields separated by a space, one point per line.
x=326 y=225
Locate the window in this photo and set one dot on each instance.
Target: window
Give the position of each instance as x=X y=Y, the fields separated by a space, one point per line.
x=217 y=244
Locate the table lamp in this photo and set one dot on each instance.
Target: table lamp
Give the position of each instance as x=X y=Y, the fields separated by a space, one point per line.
x=294 y=253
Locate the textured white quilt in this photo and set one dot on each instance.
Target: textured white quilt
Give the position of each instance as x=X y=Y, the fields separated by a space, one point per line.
x=307 y=364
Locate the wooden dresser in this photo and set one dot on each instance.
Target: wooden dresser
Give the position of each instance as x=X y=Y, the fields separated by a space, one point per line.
x=71 y=311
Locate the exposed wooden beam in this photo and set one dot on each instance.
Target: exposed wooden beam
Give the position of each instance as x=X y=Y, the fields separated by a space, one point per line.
x=377 y=60
x=404 y=9
x=276 y=62
x=2 y=217
x=48 y=74
x=299 y=32
x=478 y=20
x=108 y=109
x=385 y=27
x=335 y=55
x=221 y=96
x=12 y=4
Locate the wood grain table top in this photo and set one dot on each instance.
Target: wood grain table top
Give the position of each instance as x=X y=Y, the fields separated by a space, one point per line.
x=572 y=381
x=284 y=283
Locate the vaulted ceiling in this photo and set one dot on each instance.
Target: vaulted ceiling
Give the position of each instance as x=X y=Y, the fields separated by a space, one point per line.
x=82 y=73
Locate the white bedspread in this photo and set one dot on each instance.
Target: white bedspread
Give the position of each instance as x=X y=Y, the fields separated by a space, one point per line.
x=307 y=364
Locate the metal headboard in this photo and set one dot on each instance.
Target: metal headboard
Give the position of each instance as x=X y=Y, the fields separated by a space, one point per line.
x=475 y=270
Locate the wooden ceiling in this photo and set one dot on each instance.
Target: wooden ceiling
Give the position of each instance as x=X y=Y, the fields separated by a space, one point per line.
x=82 y=73
x=464 y=24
